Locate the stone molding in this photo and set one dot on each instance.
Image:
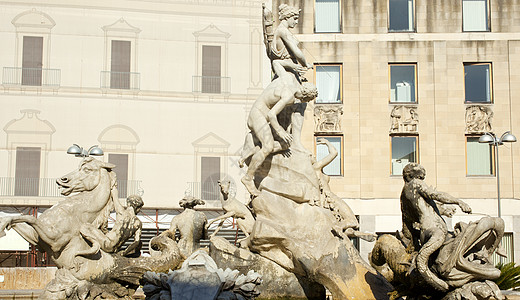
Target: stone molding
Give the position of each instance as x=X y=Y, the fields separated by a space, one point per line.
x=404 y=119
x=478 y=119
x=327 y=117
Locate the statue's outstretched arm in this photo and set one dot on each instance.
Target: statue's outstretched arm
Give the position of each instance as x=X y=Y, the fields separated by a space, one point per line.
x=327 y=159
x=428 y=192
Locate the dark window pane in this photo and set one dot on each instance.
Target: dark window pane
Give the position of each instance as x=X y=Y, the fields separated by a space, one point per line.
x=402 y=83
x=477 y=83
x=404 y=151
x=400 y=15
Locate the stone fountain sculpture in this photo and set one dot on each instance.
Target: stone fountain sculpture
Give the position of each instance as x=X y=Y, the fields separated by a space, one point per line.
x=73 y=233
x=427 y=260
x=297 y=225
x=191 y=225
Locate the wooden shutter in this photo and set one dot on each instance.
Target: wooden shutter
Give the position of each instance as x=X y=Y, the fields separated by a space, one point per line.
x=27 y=174
x=120 y=65
x=211 y=69
x=121 y=162
x=210 y=174
x=32 y=60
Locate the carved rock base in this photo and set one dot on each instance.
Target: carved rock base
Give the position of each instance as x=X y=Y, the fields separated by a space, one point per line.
x=276 y=281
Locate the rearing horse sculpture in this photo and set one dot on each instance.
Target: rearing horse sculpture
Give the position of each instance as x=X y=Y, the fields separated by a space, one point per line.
x=56 y=231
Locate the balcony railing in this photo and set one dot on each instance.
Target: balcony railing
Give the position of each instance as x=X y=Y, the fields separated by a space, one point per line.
x=204 y=191
x=31 y=77
x=120 y=80
x=211 y=84
x=47 y=187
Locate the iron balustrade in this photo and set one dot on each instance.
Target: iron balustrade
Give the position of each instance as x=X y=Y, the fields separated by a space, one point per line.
x=204 y=190
x=47 y=187
x=120 y=80
x=31 y=77
x=212 y=84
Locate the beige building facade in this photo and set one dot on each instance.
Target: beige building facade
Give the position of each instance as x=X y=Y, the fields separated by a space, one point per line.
x=415 y=81
x=165 y=87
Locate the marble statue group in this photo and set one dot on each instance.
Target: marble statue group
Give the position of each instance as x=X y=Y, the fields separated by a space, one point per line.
x=297 y=230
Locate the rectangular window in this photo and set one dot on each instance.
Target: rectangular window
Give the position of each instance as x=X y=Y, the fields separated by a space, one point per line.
x=120 y=65
x=402 y=83
x=327 y=16
x=401 y=15
x=475 y=16
x=121 y=162
x=32 y=60
x=479 y=157
x=335 y=167
x=404 y=151
x=27 y=174
x=507 y=245
x=328 y=82
x=211 y=69
x=477 y=82
x=210 y=175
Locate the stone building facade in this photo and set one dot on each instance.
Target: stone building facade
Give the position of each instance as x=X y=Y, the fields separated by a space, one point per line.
x=415 y=80
x=163 y=87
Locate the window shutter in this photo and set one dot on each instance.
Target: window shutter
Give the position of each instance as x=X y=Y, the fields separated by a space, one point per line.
x=121 y=162
x=27 y=174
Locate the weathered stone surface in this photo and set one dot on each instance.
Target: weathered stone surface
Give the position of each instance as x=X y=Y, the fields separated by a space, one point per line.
x=299 y=236
x=427 y=260
x=73 y=234
x=200 y=278
x=276 y=281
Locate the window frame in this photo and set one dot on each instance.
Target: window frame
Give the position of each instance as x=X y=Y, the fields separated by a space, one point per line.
x=491 y=89
x=417 y=156
x=316 y=65
x=492 y=162
x=340 y=17
x=340 y=154
x=488 y=17
x=414 y=21
x=416 y=94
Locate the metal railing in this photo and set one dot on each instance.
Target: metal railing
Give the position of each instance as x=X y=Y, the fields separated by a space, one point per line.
x=120 y=80
x=211 y=84
x=47 y=187
x=31 y=77
x=205 y=190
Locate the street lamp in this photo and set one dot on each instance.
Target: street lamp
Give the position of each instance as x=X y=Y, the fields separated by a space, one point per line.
x=80 y=152
x=491 y=138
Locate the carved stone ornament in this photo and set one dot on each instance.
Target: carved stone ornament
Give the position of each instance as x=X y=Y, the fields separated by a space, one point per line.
x=478 y=119
x=404 y=119
x=328 y=117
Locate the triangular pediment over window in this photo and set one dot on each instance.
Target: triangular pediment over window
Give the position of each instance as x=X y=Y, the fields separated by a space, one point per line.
x=121 y=25
x=210 y=140
x=211 y=30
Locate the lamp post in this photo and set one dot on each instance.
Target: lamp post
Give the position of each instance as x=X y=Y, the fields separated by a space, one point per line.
x=491 y=138
x=80 y=152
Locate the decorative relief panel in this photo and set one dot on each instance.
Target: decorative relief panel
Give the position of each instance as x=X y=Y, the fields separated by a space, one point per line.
x=404 y=119
x=327 y=117
x=478 y=119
